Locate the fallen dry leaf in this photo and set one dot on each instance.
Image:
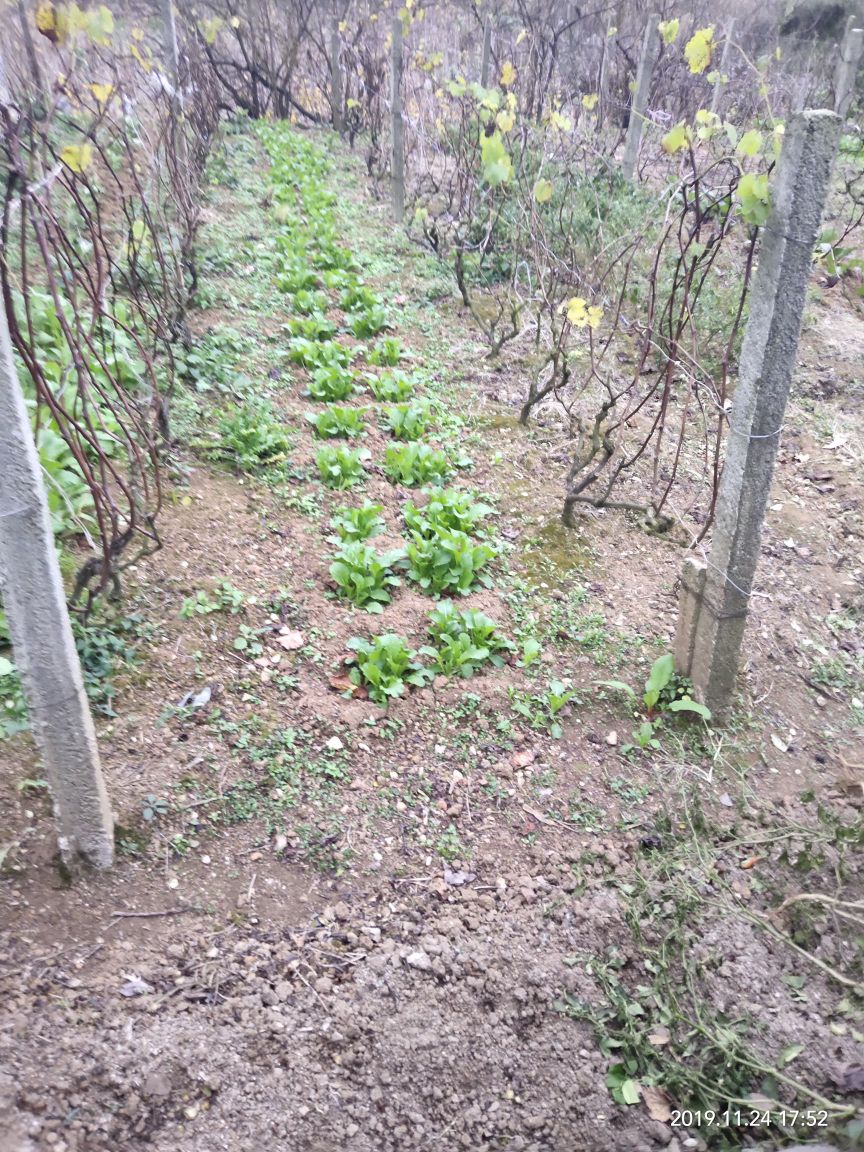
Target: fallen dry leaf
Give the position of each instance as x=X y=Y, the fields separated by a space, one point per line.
x=291 y=640
x=657 y=1103
x=342 y=682
x=659 y=1036
x=524 y=758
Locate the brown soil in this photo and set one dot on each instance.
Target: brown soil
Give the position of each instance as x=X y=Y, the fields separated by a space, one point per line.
x=380 y=962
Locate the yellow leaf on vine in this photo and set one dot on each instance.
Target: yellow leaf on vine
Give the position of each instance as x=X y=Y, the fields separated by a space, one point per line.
x=102 y=92
x=210 y=29
x=590 y=101
x=543 y=191
x=697 y=52
x=77 y=157
x=46 y=20
x=582 y=315
x=508 y=74
x=669 y=30
x=676 y=139
x=505 y=121
x=235 y=21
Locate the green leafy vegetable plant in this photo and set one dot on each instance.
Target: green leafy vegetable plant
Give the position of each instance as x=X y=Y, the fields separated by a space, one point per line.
x=390 y=386
x=318 y=353
x=331 y=383
x=296 y=276
x=334 y=422
x=408 y=421
x=664 y=690
x=365 y=324
x=364 y=577
x=340 y=467
x=384 y=665
x=463 y=640
x=313 y=328
x=448 y=561
x=544 y=709
x=359 y=298
x=416 y=464
x=251 y=438
x=351 y=524
x=227 y=598
x=307 y=301
x=387 y=352
x=446 y=508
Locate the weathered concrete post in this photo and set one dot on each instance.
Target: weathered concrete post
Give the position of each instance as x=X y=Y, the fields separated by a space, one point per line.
x=716 y=595
x=724 y=58
x=847 y=65
x=336 y=97
x=486 y=59
x=397 y=155
x=35 y=605
x=641 y=92
x=169 y=24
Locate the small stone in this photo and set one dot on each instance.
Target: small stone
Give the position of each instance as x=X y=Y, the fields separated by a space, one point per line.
x=612 y=738
x=418 y=960
x=334 y=744
x=156 y=1084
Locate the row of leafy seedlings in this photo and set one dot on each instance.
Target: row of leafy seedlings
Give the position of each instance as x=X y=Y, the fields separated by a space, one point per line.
x=447 y=545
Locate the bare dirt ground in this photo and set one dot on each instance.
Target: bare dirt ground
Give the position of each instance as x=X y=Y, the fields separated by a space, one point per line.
x=439 y=926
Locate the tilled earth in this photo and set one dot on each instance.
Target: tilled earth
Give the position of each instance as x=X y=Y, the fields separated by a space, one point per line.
x=426 y=1016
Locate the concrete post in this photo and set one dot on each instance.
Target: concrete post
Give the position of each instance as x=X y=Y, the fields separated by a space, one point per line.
x=335 y=73
x=641 y=92
x=397 y=155
x=724 y=59
x=35 y=604
x=715 y=599
x=169 y=26
x=172 y=50
x=486 y=60
x=847 y=66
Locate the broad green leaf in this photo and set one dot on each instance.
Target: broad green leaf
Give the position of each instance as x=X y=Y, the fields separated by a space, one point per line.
x=750 y=143
x=685 y=704
x=497 y=166
x=754 y=198
x=661 y=673
x=7 y=668
x=616 y=686
x=630 y=1092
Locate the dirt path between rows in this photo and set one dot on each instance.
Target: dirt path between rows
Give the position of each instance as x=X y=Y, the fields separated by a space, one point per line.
x=441 y=926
